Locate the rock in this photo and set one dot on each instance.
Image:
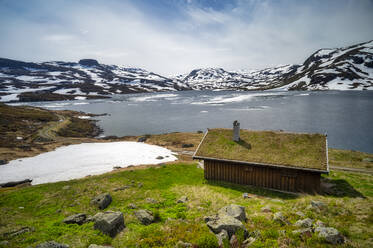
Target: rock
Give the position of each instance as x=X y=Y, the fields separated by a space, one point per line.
x=142 y=139
x=306 y=223
x=144 y=216
x=99 y=246
x=66 y=187
x=199 y=131
x=182 y=199
x=151 y=200
x=159 y=157
x=4 y=243
x=330 y=234
x=303 y=232
x=223 y=235
x=139 y=185
x=51 y=244
x=17 y=232
x=236 y=211
x=280 y=218
x=225 y=222
x=318 y=205
x=187 y=145
x=3 y=161
x=300 y=214
x=210 y=218
x=102 y=201
x=246 y=196
x=89 y=62
x=122 y=188
x=76 y=219
x=319 y=223
x=266 y=209
x=132 y=206
x=15 y=183
x=182 y=244
x=109 y=223
x=369 y=160
x=277 y=201
x=248 y=242
x=117 y=167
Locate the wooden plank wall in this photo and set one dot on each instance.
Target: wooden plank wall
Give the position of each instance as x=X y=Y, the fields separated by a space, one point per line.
x=268 y=177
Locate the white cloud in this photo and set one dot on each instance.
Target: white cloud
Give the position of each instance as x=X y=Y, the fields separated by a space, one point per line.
x=254 y=34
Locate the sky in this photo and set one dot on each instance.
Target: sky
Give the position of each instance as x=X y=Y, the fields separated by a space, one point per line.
x=172 y=37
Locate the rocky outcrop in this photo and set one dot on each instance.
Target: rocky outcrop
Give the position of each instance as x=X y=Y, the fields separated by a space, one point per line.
x=228 y=221
x=235 y=211
x=102 y=201
x=144 y=216
x=79 y=219
x=51 y=244
x=109 y=223
x=306 y=223
x=89 y=62
x=330 y=234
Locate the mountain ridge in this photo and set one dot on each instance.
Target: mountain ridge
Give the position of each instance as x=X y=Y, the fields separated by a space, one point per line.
x=346 y=68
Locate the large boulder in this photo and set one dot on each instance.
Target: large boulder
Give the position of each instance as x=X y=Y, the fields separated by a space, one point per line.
x=235 y=211
x=306 y=223
x=109 y=222
x=330 y=234
x=51 y=244
x=225 y=222
x=102 y=201
x=76 y=219
x=144 y=216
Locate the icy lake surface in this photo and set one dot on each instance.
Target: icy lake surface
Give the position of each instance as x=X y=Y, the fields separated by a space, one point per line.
x=346 y=116
x=76 y=161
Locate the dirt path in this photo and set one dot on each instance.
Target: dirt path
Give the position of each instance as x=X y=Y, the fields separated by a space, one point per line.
x=49 y=131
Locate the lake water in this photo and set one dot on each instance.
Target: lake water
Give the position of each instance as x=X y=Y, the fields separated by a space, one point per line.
x=346 y=116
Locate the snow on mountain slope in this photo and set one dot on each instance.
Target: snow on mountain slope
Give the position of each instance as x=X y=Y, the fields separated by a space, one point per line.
x=348 y=68
x=86 y=78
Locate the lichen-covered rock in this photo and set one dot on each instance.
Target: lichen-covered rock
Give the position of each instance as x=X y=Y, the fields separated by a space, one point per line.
x=51 y=244
x=76 y=219
x=144 y=216
x=151 y=200
x=225 y=222
x=280 y=218
x=102 y=201
x=109 y=223
x=132 y=206
x=300 y=214
x=236 y=211
x=304 y=223
x=319 y=223
x=318 y=205
x=330 y=234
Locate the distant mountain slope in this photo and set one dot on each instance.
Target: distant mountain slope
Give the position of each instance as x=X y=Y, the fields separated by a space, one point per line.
x=348 y=68
x=327 y=69
x=66 y=80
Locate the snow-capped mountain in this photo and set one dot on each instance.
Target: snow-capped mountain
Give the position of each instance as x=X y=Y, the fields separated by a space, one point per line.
x=66 y=80
x=348 y=68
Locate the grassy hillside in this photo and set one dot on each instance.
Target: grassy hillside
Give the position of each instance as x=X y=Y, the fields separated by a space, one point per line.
x=43 y=207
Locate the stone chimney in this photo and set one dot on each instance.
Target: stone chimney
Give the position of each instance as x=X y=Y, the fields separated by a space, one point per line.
x=236 y=131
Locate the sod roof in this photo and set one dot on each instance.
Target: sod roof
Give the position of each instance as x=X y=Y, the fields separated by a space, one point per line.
x=294 y=150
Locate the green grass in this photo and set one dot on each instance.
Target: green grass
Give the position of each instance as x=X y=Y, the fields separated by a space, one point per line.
x=43 y=207
x=279 y=148
x=353 y=159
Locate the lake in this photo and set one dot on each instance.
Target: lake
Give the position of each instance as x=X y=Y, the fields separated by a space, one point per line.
x=346 y=116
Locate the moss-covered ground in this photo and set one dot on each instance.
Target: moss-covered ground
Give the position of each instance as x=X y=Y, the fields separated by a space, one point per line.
x=43 y=207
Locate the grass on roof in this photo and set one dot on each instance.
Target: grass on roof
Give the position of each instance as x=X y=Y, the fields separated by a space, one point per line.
x=278 y=148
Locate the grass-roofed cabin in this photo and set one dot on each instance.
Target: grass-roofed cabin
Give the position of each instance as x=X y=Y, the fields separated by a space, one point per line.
x=277 y=160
